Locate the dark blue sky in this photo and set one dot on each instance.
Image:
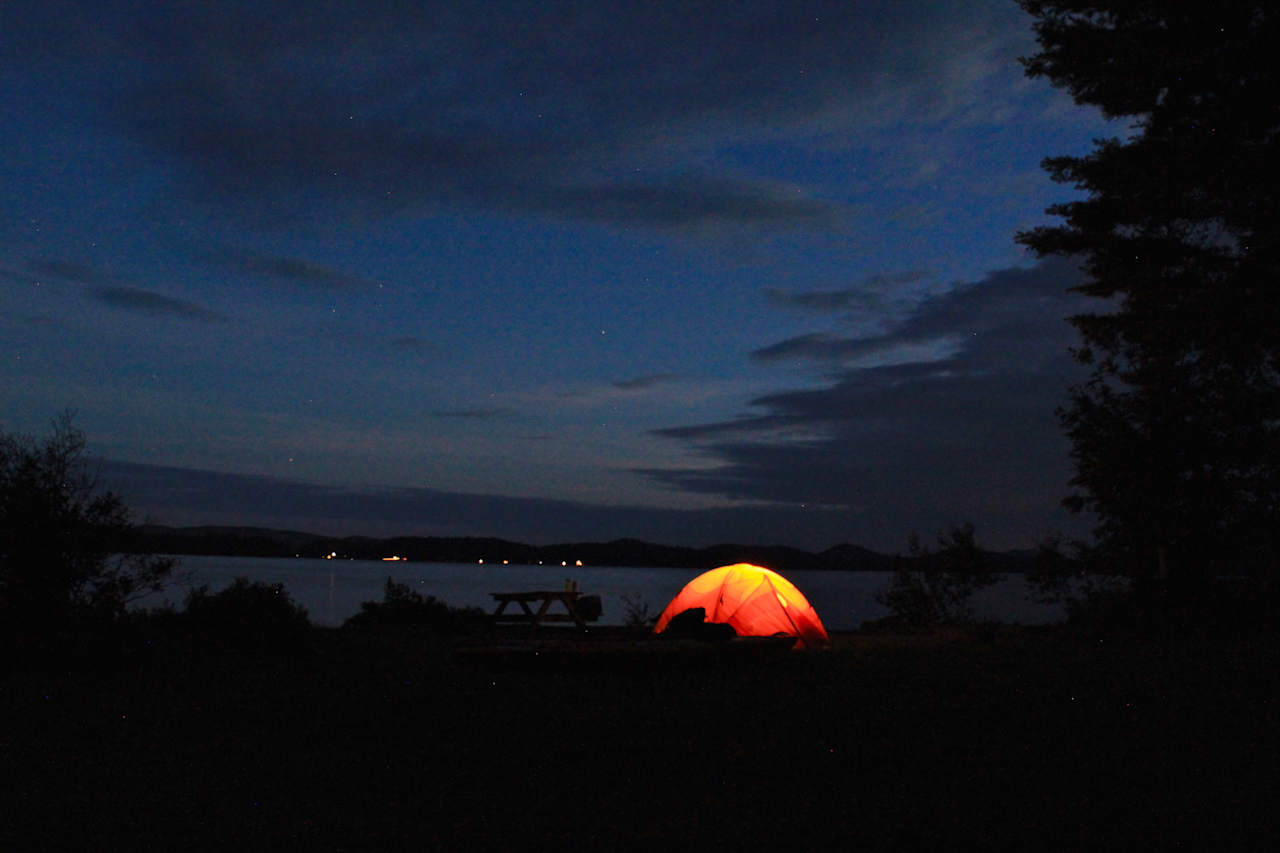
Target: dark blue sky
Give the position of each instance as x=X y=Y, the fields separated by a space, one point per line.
x=553 y=270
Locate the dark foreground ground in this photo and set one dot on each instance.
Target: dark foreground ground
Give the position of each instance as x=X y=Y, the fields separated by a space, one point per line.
x=998 y=740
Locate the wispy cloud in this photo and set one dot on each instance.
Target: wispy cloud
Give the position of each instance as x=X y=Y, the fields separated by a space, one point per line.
x=191 y=496
x=290 y=269
x=961 y=431
x=151 y=304
x=641 y=383
x=67 y=271
x=875 y=294
x=114 y=290
x=690 y=202
x=862 y=352
x=408 y=343
x=475 y=414
x=611 y=113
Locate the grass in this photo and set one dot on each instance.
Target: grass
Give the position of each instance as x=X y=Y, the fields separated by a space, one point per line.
x=1009 y=739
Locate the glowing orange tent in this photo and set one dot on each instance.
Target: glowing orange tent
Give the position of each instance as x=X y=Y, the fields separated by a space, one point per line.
x=754 y=601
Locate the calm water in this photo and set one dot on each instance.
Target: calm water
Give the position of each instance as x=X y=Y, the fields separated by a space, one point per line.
x=332 y=590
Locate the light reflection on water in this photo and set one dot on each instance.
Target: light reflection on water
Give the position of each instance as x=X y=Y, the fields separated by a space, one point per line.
x=332 y=590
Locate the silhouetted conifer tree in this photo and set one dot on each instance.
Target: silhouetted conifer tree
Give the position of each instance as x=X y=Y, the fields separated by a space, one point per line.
x=1176 y=433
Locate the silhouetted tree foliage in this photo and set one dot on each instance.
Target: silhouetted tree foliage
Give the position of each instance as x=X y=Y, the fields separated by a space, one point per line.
x=638 y=612
x=401 y=605
x=1052 y=571
x=64 y=566
x=246 y=615
x=1176 y=433
x=931 y=588
x=1090 y=597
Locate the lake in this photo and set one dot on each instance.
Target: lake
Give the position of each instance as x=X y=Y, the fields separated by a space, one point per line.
x=332 y=590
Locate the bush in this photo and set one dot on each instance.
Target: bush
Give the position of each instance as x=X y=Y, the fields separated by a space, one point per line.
x=66 y=571
x=401 y=605
x=246 y=615
x=934 y=588
x=639 y=614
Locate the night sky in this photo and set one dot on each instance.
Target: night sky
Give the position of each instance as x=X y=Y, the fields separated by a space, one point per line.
x=683 y=271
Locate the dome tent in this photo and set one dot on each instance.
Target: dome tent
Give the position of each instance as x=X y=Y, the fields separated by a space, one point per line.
x=754 y=601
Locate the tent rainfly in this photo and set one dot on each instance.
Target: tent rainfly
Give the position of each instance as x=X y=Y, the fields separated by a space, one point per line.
x=754 y=601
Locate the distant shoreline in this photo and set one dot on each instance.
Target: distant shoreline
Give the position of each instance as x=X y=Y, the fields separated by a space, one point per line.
x=629 y=553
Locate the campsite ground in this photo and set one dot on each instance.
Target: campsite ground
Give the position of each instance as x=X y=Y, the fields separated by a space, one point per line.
x=1013 y=739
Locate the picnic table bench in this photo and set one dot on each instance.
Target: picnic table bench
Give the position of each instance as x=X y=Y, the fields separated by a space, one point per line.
x=543 y=598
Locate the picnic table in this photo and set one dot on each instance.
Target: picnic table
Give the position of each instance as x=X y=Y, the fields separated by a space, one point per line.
x=543 y=599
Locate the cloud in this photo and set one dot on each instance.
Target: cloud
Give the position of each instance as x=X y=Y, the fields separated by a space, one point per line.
x=188 y=496
x=67 y=270
x=861 y=352
x=864 y=310
x=409 y=343
x=610 y=113
x=292 y=269
x=965 y=431
x=683 y=201
x=875 y=294
x=1009 y=316
x=111 y=289
x=474 y=414
x=152 y=304
x=641 y=383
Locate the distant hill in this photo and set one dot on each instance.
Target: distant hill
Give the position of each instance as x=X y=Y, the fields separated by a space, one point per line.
x=263 y=542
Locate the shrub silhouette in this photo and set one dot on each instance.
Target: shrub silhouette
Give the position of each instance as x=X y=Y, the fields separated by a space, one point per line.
x=639 y=614
x=67 y=572
x=401 y=605
x=934 y=588
x=246 y=615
